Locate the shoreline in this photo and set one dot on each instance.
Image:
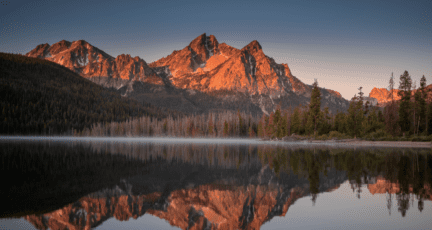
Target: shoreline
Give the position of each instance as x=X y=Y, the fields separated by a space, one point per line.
x=362 y=143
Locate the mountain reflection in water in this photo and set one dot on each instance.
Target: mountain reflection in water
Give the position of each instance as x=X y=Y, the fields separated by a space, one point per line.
x=80 y=185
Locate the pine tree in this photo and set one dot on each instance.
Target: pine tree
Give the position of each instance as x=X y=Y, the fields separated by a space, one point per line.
x=416 y=110
x=277 y=128
x=390 y=111
x=356 y=114
x=404 y=105
x=325 y=125
x=270 y=128
x=422 y=106
x=296 y=122
x=315 y=106
x=283 y=126
x=337 y=122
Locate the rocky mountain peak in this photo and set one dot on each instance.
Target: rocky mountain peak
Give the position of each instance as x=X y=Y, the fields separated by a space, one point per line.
x=80 y=43
x=40 y=50
x=253 y=47
x=204 y=47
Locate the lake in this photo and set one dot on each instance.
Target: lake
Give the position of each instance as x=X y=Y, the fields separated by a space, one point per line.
x=171 y=183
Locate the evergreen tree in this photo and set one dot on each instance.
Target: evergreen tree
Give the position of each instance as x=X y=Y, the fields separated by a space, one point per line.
x=404 y=105
x=325 y=124
x=337 y=121
x=422 y=106
x=296 y=121
x=390 y=111
x=283 y=126
x=277 y=128
x=270 y=128
x=356 y=114
x=315 y=106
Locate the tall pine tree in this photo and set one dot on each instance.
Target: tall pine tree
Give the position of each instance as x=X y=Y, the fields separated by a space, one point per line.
x=315 y=106
x=422 y=106
x=390 y=111
x=405 y=102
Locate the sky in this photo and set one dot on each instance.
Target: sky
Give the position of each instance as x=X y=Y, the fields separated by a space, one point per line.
x=343 y=44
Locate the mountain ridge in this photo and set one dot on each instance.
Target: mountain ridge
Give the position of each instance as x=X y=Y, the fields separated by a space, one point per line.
x=205 y=65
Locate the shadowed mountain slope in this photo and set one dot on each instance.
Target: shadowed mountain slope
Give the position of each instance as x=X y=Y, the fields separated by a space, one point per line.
x=42 y=97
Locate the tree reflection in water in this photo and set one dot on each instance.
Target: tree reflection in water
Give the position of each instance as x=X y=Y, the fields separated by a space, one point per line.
x=207 y=185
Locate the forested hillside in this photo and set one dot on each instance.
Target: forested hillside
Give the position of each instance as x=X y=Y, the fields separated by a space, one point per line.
x=42 y=97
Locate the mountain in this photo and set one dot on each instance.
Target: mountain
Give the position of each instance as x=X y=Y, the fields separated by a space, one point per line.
x=382 y=95
x=43 y=97
x=203 y=76
x=91 y=62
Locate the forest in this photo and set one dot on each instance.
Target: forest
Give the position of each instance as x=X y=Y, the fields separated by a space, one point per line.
x=407 y=119
x=39 y=97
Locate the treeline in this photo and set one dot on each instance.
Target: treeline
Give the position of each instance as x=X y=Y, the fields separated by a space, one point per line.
x=409 y=118
x=42 y=97
x=224 y=124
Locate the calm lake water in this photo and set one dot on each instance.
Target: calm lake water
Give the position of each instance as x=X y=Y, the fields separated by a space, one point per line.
x=151 y=183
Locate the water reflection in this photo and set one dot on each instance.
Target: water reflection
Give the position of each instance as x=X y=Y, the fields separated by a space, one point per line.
x=80 y=185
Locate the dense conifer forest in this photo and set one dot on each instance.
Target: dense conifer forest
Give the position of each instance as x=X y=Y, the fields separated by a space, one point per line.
x=409 y=119
x=43 y=98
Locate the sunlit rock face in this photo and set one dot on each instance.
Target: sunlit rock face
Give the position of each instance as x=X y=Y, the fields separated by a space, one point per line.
x=382 y=95
x=204 y=65
x=207 y=66
x=91 y=62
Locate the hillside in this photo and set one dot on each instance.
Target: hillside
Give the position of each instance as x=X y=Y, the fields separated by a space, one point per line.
x=42 y=97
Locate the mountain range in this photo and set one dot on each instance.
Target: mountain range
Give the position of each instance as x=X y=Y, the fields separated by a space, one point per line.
x=203 y=76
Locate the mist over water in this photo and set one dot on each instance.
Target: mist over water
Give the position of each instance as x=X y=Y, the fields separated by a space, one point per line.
x=59 y=182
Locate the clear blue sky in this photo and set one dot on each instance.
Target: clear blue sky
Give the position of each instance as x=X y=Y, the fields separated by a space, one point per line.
x=343 y=44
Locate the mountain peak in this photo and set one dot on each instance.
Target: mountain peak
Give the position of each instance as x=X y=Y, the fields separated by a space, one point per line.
x=253 y=46
x=80 y=42
x=204 y=46
x=63 y=43
x=198 y=39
